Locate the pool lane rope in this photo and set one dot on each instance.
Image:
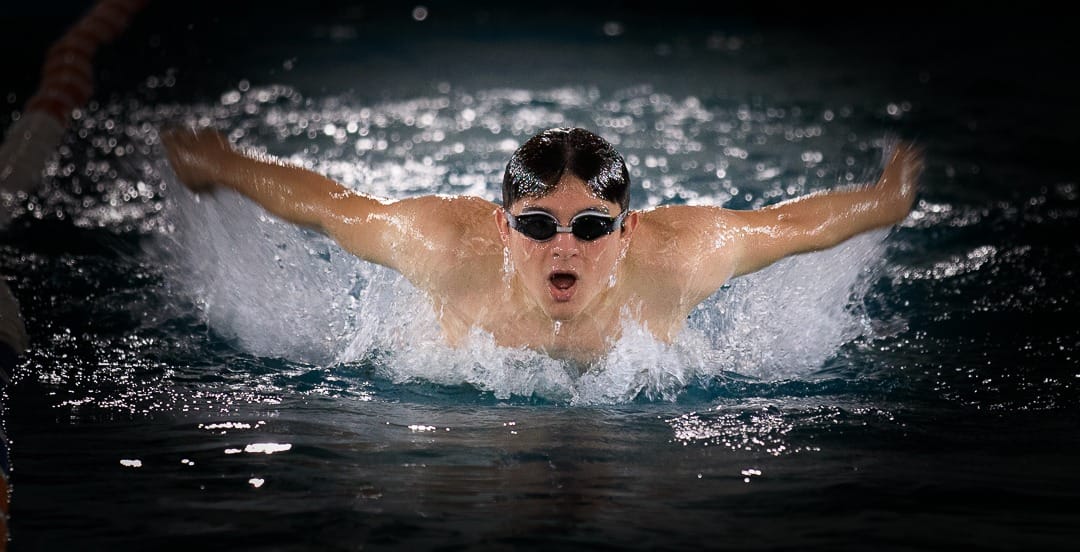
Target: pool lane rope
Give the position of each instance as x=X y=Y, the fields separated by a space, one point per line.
x=67 y=82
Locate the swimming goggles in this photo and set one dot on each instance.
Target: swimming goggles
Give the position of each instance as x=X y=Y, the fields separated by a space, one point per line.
x=586 y=226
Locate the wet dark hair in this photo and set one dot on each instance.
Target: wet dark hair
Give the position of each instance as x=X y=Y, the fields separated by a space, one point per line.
x=537 y=166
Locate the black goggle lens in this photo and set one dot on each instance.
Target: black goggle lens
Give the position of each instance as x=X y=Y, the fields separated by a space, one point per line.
x=591 y=227
x=537 y=227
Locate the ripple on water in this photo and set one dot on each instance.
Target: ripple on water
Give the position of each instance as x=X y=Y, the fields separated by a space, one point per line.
x=225 y=257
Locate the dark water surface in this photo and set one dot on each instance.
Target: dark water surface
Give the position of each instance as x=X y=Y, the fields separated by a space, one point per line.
x=203 y=377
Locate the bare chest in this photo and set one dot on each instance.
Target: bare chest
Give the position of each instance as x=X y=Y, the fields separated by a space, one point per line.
x=586 y=337
x=514 y=325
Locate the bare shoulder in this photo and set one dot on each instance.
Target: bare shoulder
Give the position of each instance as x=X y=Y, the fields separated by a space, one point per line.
x=449 y=217
x=691 y=246
x=449 y=238
x=445 y=206
x=674 y=227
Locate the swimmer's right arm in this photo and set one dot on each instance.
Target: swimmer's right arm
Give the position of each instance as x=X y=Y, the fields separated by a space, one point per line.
x=367 y=227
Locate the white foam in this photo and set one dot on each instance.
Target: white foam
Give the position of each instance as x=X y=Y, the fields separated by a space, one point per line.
x=279 y=291
x=786 y=320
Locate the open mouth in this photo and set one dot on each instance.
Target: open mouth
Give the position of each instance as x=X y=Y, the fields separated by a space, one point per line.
x=561 y=285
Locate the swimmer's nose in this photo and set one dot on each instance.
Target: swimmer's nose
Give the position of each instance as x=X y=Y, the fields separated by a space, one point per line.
x=564 y=246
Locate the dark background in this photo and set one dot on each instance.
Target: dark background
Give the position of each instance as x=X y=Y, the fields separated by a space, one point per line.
x=1003 y=85
x=1022 y=67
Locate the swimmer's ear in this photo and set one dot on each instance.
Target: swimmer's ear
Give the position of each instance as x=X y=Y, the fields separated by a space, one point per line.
x=629 y=224
x=503 y=225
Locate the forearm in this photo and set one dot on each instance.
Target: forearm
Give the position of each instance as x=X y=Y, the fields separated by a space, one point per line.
x=292 y=193
x=823 y=220
x=820 y=221
x=204 y=160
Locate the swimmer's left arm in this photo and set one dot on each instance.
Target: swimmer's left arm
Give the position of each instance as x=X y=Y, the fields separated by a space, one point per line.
x=822 y=220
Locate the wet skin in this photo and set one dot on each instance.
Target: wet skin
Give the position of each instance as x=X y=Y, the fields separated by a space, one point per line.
x=565 y=277
x=564 y=297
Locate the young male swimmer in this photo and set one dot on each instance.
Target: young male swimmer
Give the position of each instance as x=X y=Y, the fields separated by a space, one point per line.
x=563 y=261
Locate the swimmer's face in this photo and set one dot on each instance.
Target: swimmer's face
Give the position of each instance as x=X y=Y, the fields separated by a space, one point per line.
x=566 y=275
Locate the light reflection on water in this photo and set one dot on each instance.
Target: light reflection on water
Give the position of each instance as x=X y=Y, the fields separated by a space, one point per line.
x=229 y=256
x=178 y=333
x=225 y=257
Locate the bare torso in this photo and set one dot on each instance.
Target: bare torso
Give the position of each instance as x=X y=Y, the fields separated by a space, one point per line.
x=653 y=270
x=471 y=289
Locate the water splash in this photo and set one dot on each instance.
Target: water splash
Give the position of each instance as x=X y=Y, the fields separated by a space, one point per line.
x=278 y=291
x=273 y=288
x=786 y=320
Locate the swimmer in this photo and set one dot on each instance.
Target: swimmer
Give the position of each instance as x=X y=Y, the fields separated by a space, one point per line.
x=563 y=261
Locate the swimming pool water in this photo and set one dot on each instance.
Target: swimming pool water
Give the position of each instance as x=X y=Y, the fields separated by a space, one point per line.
x=205 y=376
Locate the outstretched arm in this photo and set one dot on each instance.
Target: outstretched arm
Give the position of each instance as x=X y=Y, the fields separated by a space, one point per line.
x=823 y=220
x=394 y=234
x=700 y=248
x=204 y=161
